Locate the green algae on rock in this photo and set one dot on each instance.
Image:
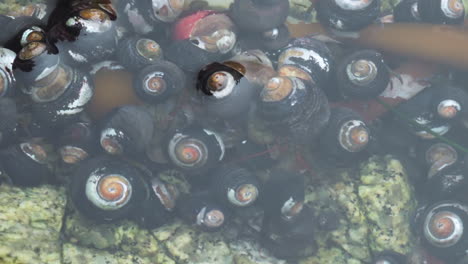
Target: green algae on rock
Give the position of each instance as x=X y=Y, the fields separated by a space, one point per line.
x=30 y=224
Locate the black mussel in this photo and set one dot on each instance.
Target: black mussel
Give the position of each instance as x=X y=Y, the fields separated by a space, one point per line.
x=226 y=92
x=362 y=74
x=96 y=40
x=144 y=16
x=136 y=52
x=9 y=120
x=195 y=150
x=77 y=142
x=249 y=15
x=283 y=195
x=347 y=15
x=442 y=228
x=106 y=189
x=235 y=186
x=293 y=106
x=345 y=136
x=21 y=31
x=159 y=81
x=128 y=129
x=34 y=62
x=449 y=182
x=441 y=11
x=26 y=164
x=309 y=59
x=159 y=208
x=290 y=239
x=61 y=96
x=202 y=210
x=204 y=37
x=449 y=102
x=436 y=155
x=389 y=257
x=426 y=124
x=406 y=12
x=7 y=79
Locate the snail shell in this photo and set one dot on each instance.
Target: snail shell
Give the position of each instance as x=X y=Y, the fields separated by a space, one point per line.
x=347 y=15
x=136 y=52
x=449 y=182
x=195 y=149
x=77 y=142
x=250 y=16
x=106 y=189
x=25 y=163
x=202 y=210
x=436 y=155
x=128 y=129
x=283 y=195
x=61 y=96
x=449 y=102
x=21 y=31
x=271 y=40
x=254 y=65
x=226 y=92
x=309 y=59
x=35 y=63
x=442 y=11
x=159 y=81
x=235 y=186
x=294 y=106
x=158 y=209
x=7 y=79
x=407 y=12
x=362 y=74
x=443 y=229
x=346 y=134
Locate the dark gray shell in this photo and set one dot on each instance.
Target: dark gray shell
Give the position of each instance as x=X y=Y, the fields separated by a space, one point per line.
x=367 y=90
x=68 y=105
x=173 y=76
x=9 y=120
x=7 y=57
x=134 y=123
x=432 y=12
x=90 y=171
x=447 y=184
x=79 y=135
x=406 y=12
x=301 y=115
x=224 y=181
x=129 y=56
x=333 y=16
x=22 y=168
x=14 y=31
x=450 y=92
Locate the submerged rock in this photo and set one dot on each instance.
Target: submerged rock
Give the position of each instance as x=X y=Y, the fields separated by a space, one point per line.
x=30 y=224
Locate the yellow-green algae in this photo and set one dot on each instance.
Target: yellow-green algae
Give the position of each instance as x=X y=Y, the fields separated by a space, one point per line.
x=30 y=224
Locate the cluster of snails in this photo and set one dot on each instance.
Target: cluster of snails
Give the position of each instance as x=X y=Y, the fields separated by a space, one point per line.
x=217 y=92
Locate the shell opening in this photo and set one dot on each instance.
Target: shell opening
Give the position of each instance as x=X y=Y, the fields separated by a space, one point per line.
x=277 y=89
x=34 y=151
x=291 y=208
x=110 y=141
x=452 y=8
x=443 y=229
x=213 y=218
x=154 y=83
x=52 y=86
x=448 y=109
x=94 y=14
x=108 y=192
x=167 y=194
x=187 y=152
x=225 y=40
x=32 y=50
x=148 y=49
x=221 y=84
x=72 y=154
x=353 y=4
x=243 y=195
x=353 y=135
x=441 y=151
x=361 y=72
x=33 y=34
